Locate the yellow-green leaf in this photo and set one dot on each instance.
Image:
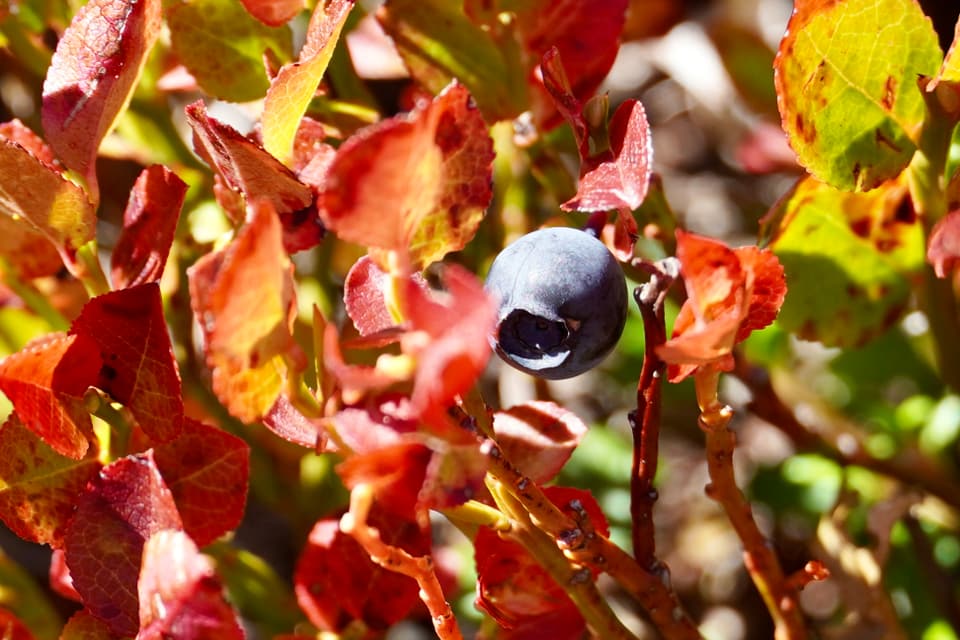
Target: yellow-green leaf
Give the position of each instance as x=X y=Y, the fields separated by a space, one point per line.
x=846 y=78
x=293 y=88
x=849 y=259
x=223 y=46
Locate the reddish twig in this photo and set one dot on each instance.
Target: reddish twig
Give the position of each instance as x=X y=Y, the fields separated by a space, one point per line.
x=779 y=594
x=354 y=523
x=645 y=420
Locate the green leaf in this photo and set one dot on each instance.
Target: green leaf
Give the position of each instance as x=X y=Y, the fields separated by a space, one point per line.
x=846 y=77
x=848 y=259
x=438 y=43
x=223 y=46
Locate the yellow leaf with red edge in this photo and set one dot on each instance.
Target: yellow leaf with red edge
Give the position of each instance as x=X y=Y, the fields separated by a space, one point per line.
x=294 y=86
x=417 y=183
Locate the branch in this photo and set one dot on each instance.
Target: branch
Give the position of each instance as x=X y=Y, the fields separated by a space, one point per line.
x=645 y=420
x=354 y=523
x=778 y=592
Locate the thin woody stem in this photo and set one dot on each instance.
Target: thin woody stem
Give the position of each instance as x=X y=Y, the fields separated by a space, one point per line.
x=779 y=593
x=645 y=420
x=354 y=523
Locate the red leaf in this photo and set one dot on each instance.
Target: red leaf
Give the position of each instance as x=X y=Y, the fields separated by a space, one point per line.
x=37 y=198
x=180 y=593
x=456 y=351
x=84 y=626
x=730 y=292
x=587 y=35
x=396 y=473
x=206 y=470
x=45 y=381
x=419 y=182
x=337 y=582
x=11 y=628
x=538 y=437
x=92 y=76
x=104 y=542
x=517 y=591
x=363 y=296
x=557 y=84
x=291 y=425
x=244 y=165
x=60 y=580
x=620 y=179
x=139 y=369
x=38 y=488
x=943 y=248
x=273 y=13
x=148 y=225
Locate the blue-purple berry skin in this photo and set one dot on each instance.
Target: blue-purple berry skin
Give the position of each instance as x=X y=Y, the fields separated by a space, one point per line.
x=563 y=302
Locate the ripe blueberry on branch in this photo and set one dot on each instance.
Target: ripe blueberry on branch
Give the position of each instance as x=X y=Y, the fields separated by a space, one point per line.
x=563 y=302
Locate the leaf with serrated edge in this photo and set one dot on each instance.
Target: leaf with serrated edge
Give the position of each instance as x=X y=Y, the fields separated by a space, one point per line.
x=92 y=76
x=149 y=222
x=126 y=504
x=138 y=369
x=849 y=259
x=45 y=381
x=206 y=470
x=223 y=46
x=38 y=487
x=38 y=197
x=180 y=593
x=294 y=86
x=846 y=79
x=419 y=182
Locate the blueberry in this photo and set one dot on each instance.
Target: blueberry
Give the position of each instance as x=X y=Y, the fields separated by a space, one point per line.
x=563 y=302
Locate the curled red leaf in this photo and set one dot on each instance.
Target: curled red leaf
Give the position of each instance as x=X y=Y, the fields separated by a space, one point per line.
x=943 y=247
x=539 y=437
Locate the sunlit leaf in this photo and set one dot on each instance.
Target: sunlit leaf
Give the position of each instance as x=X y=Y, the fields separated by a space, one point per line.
x=125 y=505
x=16 y=131
x=11 y=628
x=244 y=165
x=60 y=581
x=45 y=381
x=180 y=593
x=92 y=76
x=294 y=86
x=439 y=43
x=223 y=46
x=138 y=369
x=207 y=471
x=149 y=222
x=337 y=582
x=291 y=425
x=618 y=179
x=273 y=13
x=39 y=198
x=38 y=487
x=419 y=182
x=851 y=107
x=730 y=293
x=848 y=258
x=538 y=437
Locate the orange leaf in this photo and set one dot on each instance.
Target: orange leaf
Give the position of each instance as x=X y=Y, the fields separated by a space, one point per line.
x=45 y=381
x=417 y=183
